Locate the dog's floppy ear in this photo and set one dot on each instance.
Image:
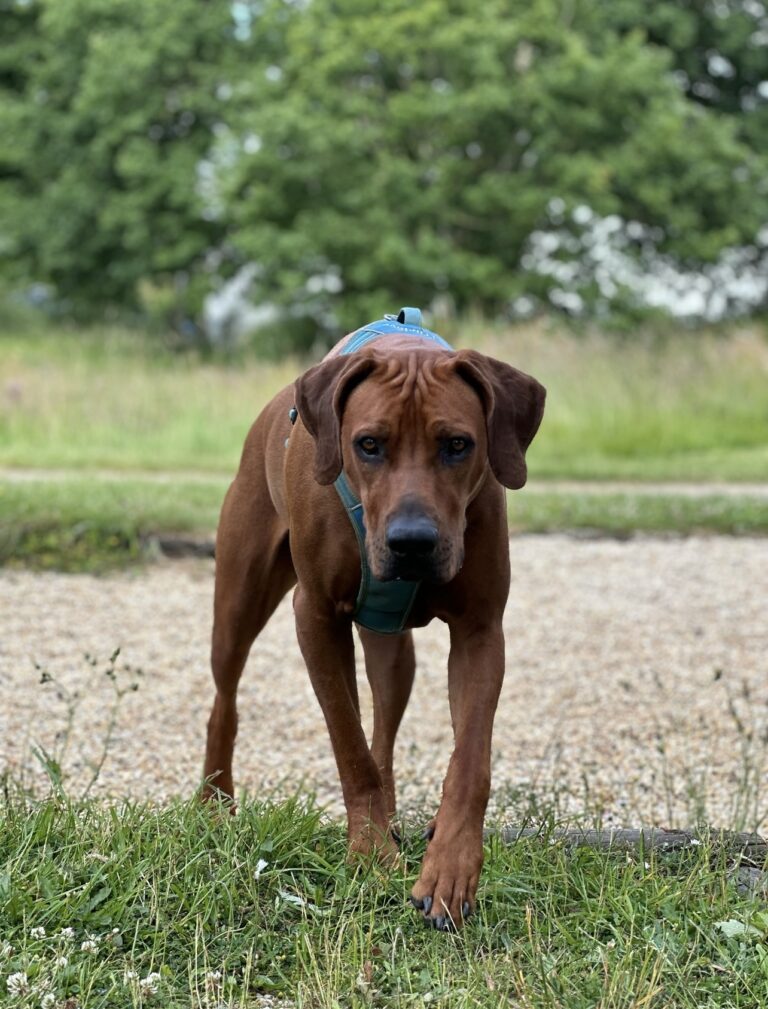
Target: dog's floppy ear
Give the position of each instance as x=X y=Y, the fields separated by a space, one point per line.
x=514 y=406
x=320 y=396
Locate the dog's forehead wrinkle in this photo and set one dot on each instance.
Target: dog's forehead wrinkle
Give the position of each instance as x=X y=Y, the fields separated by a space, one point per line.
x=391 y=367
x=423 y=384
x=424 y=398
x=407 y=388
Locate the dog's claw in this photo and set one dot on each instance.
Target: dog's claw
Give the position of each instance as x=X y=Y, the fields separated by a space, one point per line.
x=465 y=912
x=396 y=837
x=417 y=902
x=427 y=904
x=428 y=833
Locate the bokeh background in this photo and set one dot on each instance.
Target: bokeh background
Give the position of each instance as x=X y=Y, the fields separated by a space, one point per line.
x=196 y=200
x=326 y=159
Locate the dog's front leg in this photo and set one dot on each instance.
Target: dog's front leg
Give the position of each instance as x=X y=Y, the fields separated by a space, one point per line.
x=327 y=646
x=449 y=874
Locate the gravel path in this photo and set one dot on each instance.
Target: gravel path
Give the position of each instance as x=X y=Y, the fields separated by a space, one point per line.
x=636 y=671
x=668 y=488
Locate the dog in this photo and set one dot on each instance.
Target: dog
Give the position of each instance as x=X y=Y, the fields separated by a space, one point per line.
x=375 y=486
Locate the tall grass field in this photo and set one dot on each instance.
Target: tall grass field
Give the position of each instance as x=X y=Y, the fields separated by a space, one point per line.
x=691 y=407
x=129 y=441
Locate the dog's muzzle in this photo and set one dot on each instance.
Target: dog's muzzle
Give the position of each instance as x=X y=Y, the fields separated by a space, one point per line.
x=413 y=549
x=412 y=538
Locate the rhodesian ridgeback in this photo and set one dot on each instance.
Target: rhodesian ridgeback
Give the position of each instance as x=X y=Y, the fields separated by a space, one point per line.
x=425 y=439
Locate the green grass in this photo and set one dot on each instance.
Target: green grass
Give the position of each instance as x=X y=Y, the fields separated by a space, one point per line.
x=627 y=513
x=177 y=892
x=85 y=523
x=692 y=407
x=118 y=400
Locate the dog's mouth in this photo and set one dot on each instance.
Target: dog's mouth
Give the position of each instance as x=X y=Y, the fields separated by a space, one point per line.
x=437 y=568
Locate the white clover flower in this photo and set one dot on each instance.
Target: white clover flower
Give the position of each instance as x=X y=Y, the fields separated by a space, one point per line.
x=213 y=977
x=89 y=946
x=38 y=932
x=61 y=961
x=67 y=933
x=5 y=949
x=130 y=975
x=17 y=984
x=150 y=984
x=695 y=842
x=48 y=1001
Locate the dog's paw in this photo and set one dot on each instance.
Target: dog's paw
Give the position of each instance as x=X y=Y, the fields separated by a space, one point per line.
x=220 y=803
x=371 y=841
x=442 y=922
x=429 y=831
x=446 y=889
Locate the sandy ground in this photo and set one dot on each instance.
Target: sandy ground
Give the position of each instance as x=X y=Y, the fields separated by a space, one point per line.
x=636 y=684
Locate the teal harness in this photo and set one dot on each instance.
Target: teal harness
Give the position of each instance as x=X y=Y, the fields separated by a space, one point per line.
x=381 y=606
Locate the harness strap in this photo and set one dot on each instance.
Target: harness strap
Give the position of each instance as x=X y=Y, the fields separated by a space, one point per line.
x=406 y=323
x=381 y=606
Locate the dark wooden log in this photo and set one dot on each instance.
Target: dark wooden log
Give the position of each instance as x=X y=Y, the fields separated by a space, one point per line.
x=750 y=848
x=182 y=546
x=749 y=851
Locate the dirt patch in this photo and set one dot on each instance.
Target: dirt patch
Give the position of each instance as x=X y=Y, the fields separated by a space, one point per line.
x=636 y=682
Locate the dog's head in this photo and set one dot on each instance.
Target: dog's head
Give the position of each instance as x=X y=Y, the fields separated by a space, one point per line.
x=415 y=432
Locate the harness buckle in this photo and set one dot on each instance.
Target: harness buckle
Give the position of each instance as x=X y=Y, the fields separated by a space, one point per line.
x=409 y=317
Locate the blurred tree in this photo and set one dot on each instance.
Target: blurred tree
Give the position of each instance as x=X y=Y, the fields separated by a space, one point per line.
x=718 y=48
x=365 y=153
x=412 y=149
x=106 y=109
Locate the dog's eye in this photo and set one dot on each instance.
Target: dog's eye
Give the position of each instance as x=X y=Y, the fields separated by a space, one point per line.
x=457 y=446
x=369 y=446
x=456 y=449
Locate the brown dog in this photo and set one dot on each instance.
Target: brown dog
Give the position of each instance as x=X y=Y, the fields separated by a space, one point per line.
x=427 y=439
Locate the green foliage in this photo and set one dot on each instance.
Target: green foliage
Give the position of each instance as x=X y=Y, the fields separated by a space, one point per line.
x=718 y=49
x=106 y=108
x=414 y=149
x=367 y=154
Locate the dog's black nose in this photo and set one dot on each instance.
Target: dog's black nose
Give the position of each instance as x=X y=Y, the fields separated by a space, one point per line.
x=412 y=536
